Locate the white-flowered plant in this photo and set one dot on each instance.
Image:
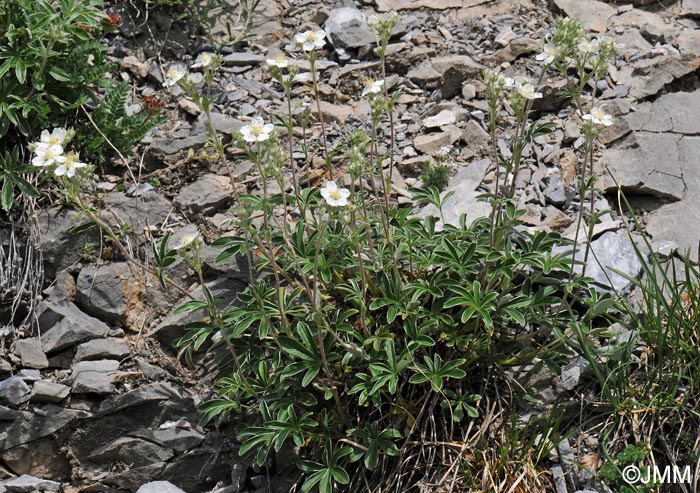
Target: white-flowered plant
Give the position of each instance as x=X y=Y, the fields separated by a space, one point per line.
x=334 y=195
x=203 y=60
x=373 y=87
x=598 y=116
x=588 y=46
x=526 y=89
x=311 y=40
x=68 y=165
x=46 y=155
x=187 y=240
x=257 y=131
x=173 y=75
x=550 y=52
x=58 y=135
x=280 y=61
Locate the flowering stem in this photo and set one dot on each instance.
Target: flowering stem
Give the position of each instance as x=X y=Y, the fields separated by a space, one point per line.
x=312 y=61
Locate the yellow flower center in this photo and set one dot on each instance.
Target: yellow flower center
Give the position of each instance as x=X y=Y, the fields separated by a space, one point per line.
x=256 y=129
x=335 y=194
x=311 y=36
x=49 y=154
x=280 y=58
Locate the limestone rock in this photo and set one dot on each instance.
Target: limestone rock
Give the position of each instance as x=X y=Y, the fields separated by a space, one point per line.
x=132 y=451
x=29 y=484
x=464 y=200
x=106 y=291
x=14 y=391
x=159 y=487
x=333 y=112
x=347 y=28
x=63 y=325
x=206 y=195
x=113 y=348
x=94 y=377
x=23 y=427
x=47 y=391
x=31 y=354
x=593 y=14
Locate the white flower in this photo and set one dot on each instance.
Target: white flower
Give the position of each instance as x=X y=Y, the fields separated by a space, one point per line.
x=444 y=151
x=175 y=72
x=527 y=90
x=280 y=61
x=373 y=87
x=599 y=117
x=195 y=78
x=46 y=155
x=507 y=81
x=550 y=52
x=257 y=131
x=57 y=136
x=335 y=197
x=68 y=165
x=187 y=239
x=588 y=46
x=310 y=40
x=203 y=60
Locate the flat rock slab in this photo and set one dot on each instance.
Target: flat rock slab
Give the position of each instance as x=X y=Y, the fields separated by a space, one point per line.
x=159 y=487
x=31 y=353
x=206 y=195
x=593 y=14
x=112 y=348
x=47 y=391
x=21 y=427
x=14 y=391
x=29 y=484
x=95 y=377
x=106 y=290
x=465 y=198
x=660 y=157
x=63 y=325
x=612 y=250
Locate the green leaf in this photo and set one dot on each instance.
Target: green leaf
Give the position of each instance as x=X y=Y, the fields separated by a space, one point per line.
x=7 y=194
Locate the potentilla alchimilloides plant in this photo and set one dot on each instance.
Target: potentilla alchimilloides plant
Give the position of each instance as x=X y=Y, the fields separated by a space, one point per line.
x=364 y=328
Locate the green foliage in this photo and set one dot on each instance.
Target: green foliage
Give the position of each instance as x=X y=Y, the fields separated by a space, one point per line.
x=50 y=63
x=436 y=175
x=121 y=130
x=631 y=456
x=345 y=379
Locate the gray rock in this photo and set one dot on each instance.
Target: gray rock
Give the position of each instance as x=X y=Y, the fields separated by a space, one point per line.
x=159 y=392
x=63 y=325
x=593 y=14
x=391 y=5
x=141 y=212
x=611 y=251
x=347 y=28
x=206 y=195
x=571 y=374
x=648 y=76
x=31 y=354
x=59 y=247
x=95 y=377
x=41 y=458
x=464 y=200
x=431 y=143
x=29 y=484
x=14 y=391
x=445 y=117
x=240 y=59
x=691 y=7
x=555 y=193
x=169 y=145
x=103 y=291
x=132 y=451
x=113 y=348
x=224 y=124
x=454 y=70
x=159 y=487
x=23 y=427
x=47 y=391
x=151 y=372
x=173 y=436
